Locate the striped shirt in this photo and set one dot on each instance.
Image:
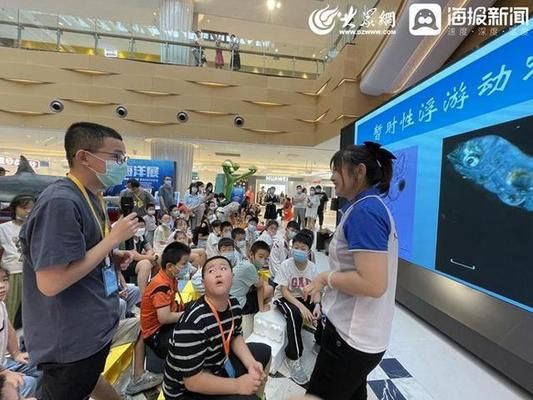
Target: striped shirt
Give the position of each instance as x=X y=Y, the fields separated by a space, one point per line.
x=196 y=345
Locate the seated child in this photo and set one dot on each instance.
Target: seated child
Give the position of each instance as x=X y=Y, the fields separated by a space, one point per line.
x=251 y=230
x=270 y=232
x=198 y=256
x=252 y=293
x=239 y=237
x=16 y=370
x=159 y=309
x=212 y=240
x=208 y=357
x=226 y=227
x=281 y=247
x=294 y=274
x=226 y=248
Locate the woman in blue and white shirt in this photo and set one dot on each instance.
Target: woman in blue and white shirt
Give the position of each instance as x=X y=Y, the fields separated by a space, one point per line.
x=361 y=282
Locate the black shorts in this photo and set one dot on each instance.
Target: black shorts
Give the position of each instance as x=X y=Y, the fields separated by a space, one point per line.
x=159 y=341
x=252 y=305
x=261 y=353
x=72 y=381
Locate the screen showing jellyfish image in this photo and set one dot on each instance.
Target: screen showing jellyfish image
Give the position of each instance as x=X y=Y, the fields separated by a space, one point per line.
x=462 y=189
x=485 y=227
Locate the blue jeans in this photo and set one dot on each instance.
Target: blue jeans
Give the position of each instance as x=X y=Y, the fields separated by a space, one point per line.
x=133 y=298
x=30 y=373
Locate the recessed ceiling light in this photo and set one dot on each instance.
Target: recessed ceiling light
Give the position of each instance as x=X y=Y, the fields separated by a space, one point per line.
x=314 y=55
x=276 y=50
x=278 y=5
x=271 y=4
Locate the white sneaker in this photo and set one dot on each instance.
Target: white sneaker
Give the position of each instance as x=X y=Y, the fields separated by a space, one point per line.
x=145 y=382
x=296 y=371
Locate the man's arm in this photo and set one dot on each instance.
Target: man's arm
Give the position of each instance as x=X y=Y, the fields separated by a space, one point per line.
x=53 y=279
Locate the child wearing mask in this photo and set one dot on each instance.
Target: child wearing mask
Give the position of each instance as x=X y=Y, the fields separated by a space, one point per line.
x=226 y=248
x=270 y=232
x=311 y=212
x=208 y=357
x=198 y=256
x=193 y=201
x=162 y=233
x=251 y=230
x=252 y=293
x=211 y=211
x=16 y=370
x=212 y=240
x=150 y=222
x=175 y=213
x=10 y=254
x=201 y=234
x=281 y=247
x=239 y=237
x=159 y=309
x=294 y=274
x=226 y=229
x=299 y=204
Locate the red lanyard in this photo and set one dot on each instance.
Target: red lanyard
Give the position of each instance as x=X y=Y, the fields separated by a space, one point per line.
x=226 y=341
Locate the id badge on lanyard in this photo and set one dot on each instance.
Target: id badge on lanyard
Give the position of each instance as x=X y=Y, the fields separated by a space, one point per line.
x=109 y=275
x=226 y=340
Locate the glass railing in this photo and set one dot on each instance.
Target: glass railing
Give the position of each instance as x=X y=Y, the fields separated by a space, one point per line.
x=41 y=31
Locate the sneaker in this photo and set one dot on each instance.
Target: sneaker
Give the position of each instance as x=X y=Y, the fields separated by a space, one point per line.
x=297 y=373
x=145 y=382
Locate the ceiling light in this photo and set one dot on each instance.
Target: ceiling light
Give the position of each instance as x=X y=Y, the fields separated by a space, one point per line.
x=314 y=55
x=212 y=84
x=90 y=71
x=271 y=4
x=24 y=112
x=25 y=81
x=278 y=5
x=91 y=102
x=155 y=13
x=152 y=92
x=276 y=50
x=319 y=92
x=266 y=103
x=304 y=76
x=151 y=122
x=216 y=113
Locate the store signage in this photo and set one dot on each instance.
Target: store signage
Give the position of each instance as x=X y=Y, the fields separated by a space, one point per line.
x=149 y=173
x=277 y=179
x=110 y=53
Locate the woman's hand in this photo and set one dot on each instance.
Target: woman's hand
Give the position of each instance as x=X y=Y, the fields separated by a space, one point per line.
x=317 y=313
x=316 y=286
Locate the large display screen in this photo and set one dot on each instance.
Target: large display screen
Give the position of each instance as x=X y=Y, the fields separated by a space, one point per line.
x=462 y=191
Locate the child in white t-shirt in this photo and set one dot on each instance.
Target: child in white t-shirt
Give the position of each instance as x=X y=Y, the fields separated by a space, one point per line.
x=213 y=238
x=17 y=369
x=294 y=274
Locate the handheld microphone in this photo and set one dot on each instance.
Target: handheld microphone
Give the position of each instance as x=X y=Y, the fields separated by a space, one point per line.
x=126 y=205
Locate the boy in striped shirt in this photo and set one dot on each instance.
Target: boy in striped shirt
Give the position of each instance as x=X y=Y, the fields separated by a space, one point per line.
x=208 y=357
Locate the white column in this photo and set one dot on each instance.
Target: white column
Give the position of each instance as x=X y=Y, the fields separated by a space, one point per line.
x=182 y=154
x=176 y=23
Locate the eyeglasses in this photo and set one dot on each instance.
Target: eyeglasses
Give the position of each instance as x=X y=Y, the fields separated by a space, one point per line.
x=118 y=157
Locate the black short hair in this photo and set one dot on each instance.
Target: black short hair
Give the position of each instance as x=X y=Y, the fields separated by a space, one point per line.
x=237 y=231
x=303 y=238
x=216 y=223
x=270 y=223
x=140 y=219
x=150 y=205
x=298 y=186
x=134 y=183
x=86 y=136
x=254 y=219
x=215 y=258
x=226 y=224
x=225 y=242
x=172 y=207
x=22 y=200
x=173 y=253
x=293 y=225
x=309 y=233
x=318 y=187
x=259 y=245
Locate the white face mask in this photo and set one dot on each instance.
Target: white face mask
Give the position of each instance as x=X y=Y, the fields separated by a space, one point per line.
x=151 y=212
x=227 y=235
x=194 y=190
x=140 y=232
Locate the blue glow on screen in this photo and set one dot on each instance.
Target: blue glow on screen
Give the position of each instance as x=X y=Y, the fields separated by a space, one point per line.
x=497 y=85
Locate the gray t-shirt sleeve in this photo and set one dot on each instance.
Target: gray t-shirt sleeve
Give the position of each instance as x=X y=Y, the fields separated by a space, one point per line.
x=56 y=234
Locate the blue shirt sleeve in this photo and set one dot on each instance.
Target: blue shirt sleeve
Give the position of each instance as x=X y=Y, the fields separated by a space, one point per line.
x=368 y=227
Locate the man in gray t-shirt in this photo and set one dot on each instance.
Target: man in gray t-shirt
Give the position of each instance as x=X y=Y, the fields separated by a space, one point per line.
x=141 y=198
x=299 y=201
x=166 y=195
x=70 y=294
